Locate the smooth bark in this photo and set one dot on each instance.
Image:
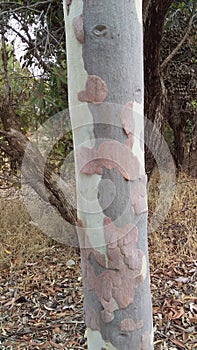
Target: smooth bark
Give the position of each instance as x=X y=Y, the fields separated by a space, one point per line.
x=105 y=84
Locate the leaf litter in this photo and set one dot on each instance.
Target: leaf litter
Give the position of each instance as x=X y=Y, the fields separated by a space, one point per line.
x=41 y=294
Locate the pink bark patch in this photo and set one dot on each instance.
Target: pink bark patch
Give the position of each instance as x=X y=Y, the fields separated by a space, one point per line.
x=109 y=308
x=115 y=236
x=107 y=293
x=107 y=316
x=82 y=234
x=124 y=295
x=129 y=325
x=115 y=255
x=96 y=90
x=142 y=140
x=138 y=195
x=68 y=3
x=110 y=154
x=79 y=223
x=130 y=141
x=127 y=118
x=128 y=123
x=110 y=305
x=78 y=28
x=114 y=286
x=91 y=318
x=145 y=341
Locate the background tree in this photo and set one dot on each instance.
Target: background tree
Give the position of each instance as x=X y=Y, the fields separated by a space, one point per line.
x=179 y=75
x=40 y=27
x=159 y=56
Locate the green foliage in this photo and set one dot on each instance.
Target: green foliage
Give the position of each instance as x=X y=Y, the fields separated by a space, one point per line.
x=41 y=28
x=180 y=74
x=21 y=84
x=169 y=137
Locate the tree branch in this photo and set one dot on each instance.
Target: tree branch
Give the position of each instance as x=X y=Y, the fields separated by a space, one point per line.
x=5 y=67
x=3 y=133
x=39 y=175
x=5 y=148
x=15 y=7
x=176 y=49
x=31 y=46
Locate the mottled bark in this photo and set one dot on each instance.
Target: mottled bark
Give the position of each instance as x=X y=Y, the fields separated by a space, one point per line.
x=105 y=81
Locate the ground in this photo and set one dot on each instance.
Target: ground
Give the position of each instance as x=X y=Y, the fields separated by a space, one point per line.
x=41 y=294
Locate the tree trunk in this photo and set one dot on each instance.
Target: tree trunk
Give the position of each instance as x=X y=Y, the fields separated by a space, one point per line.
x=180 y=142
x=154 y=13
x=177 y=119
x=192 y=154
x=105 y=83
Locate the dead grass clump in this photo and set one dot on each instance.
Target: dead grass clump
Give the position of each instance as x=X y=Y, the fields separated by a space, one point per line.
x=176 y=236
x=20 y=241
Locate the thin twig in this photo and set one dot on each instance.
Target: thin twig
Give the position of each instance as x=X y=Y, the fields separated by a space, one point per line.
x=176 y=49
x=44 y=65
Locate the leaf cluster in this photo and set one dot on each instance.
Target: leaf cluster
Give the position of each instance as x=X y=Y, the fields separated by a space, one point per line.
x=39 y=26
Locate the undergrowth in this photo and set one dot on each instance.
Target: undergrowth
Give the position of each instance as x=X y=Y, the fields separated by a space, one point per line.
x=21 y=242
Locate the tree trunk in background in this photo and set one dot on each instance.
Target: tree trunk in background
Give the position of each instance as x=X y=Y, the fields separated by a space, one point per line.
x=180 y=144
x=184 y=152
x=177 y=120
x=192 y=154
x=105 y=83
x=154 y=13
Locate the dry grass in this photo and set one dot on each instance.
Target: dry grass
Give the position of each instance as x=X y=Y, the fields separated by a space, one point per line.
x=176 y=236
x=172 y=249
x=20 y=241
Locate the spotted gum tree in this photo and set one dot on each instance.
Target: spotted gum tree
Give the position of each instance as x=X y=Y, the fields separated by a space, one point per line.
x=105 y=81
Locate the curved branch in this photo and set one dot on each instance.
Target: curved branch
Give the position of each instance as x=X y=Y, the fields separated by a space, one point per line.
x=176 y=49
x=40 y=176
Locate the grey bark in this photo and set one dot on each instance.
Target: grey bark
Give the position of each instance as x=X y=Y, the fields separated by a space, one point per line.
x=112 y=50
